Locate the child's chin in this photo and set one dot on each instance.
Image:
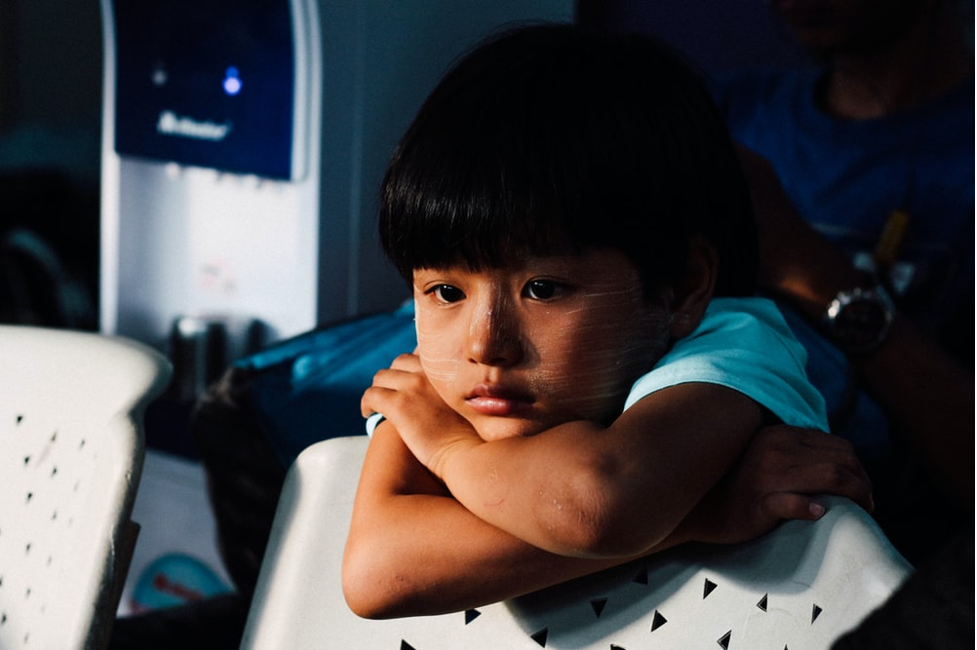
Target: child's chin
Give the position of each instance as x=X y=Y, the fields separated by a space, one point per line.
x=509 y=429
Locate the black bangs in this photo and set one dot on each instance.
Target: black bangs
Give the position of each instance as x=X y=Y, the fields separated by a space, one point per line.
x=551 y=139
x=482 y=175
x=472 y=194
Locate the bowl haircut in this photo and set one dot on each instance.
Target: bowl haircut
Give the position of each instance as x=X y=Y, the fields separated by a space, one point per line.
x=548 y=139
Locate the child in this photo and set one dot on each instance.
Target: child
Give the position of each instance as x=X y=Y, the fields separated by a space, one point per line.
x=590 y=362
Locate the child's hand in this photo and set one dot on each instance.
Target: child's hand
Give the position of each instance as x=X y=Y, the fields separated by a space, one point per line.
x=426 y=424
x=774 y=479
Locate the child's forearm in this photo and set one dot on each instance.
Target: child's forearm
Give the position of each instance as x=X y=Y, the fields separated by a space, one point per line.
x=553 y=491
x=413 y=550
x=578 y=489
x=439 y=558
x=583 y=490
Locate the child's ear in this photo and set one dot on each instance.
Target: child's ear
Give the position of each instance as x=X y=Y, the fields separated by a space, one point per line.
x=694 y=291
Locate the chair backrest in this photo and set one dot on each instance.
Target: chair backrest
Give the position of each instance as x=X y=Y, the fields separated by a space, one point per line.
x=71 y=453
x=801 y=586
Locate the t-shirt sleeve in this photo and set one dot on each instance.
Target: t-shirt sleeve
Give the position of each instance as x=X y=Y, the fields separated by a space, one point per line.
x=743 y=344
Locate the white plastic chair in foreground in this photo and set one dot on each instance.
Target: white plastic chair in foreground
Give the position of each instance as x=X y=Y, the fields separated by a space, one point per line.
x=71 y=453
x=801 y=586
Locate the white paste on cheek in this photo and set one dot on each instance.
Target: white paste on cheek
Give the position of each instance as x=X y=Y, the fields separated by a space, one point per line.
x=598 y=349
x=437 y=367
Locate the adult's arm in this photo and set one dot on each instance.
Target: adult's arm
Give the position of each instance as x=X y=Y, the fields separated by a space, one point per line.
x=927 y=393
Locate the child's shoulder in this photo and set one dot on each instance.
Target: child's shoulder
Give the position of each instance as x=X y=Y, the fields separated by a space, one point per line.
x=744 y=344
x=747 y=332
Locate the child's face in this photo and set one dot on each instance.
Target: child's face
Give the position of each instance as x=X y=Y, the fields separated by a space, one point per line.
x=520 y=349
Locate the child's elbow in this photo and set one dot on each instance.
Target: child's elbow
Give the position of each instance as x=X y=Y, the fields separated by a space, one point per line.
x=365 y=590
x=360 y=601
x=592 y=524
x=611 y=536
x=357 y=595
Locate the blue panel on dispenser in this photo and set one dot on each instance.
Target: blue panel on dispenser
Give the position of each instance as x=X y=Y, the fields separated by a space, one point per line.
x=209 y=83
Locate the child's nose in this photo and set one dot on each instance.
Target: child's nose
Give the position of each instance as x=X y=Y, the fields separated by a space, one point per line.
x=493 y=338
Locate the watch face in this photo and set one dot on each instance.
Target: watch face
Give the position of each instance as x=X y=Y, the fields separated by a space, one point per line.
x=861 y=322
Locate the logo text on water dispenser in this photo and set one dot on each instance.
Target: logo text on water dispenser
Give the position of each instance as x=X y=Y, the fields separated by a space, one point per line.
x=172 y=124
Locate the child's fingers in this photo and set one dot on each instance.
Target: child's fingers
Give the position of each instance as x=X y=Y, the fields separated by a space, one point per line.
x=789 y=505
x=387 y=384
x=794 y=501
x=372 y=401
x=806 y=461
x=816 y=439
x=842 y=475
x=400 y=376
x=395 y=387
x=838 y=449
x=407 y=363
x=810 y=443
x=832 y=478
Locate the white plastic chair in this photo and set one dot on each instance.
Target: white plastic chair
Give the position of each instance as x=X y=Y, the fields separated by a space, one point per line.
x=800 y=587
x=71 y=453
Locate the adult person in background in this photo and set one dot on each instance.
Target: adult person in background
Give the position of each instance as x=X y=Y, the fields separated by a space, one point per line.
x=862 y=169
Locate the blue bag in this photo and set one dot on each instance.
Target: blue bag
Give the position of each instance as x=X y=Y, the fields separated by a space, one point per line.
x=308 y=388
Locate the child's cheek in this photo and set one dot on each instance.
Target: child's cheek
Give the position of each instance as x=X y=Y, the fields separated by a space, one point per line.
x=438 y=363
x=570 y=369
x=590 y=357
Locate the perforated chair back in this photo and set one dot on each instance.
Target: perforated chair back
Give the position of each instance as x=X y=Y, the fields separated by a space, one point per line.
x=799 y=587
x=71 y=453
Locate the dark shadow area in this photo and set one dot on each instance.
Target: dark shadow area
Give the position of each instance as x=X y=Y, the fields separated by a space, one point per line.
x=49 y=247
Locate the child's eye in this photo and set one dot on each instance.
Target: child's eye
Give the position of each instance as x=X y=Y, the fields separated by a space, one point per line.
x=542 y=289
x=447 y=293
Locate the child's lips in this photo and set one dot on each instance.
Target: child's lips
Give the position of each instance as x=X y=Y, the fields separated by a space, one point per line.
x=498 y=401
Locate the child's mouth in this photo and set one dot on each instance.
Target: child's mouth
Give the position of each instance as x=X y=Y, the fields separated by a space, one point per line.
x=498 y=401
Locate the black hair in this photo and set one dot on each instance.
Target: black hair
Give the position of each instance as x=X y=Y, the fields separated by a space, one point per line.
x=552 y=138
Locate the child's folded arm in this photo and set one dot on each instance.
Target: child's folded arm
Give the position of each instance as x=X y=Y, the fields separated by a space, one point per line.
x=588 y=491
x=579 y=489
x=413 y=551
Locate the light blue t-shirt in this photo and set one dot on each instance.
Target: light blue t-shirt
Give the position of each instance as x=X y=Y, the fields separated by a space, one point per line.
x=743 y=344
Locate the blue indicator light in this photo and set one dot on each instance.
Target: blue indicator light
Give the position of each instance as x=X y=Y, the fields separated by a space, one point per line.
x=232 y=82
x=160 y=77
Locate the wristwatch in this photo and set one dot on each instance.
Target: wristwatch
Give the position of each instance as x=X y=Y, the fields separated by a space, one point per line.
x=858 y=319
